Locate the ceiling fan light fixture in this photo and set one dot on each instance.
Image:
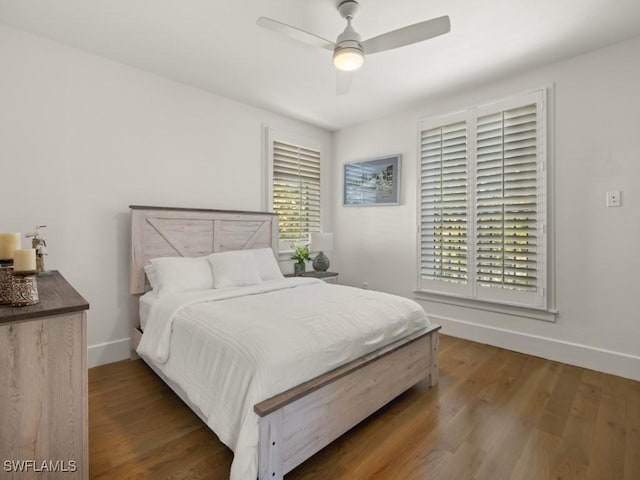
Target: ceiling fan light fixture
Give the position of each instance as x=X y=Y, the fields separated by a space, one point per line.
x=349 y=49
x=348 y=59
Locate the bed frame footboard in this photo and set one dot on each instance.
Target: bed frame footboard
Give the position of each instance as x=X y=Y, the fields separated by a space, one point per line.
x=296 y=424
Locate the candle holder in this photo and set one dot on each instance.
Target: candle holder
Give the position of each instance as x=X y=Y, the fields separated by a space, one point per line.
x=6 y=282
x=25 y=289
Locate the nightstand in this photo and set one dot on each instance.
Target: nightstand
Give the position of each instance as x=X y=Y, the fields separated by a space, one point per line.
x=329 y=277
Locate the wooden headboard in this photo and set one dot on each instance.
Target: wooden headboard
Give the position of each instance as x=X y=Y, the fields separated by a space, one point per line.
x=182 y=232
x=185 y=232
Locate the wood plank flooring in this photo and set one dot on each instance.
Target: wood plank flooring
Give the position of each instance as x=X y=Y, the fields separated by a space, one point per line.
x=495 y=415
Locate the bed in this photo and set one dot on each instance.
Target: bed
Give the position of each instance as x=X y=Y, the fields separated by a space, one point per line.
x=295 y=423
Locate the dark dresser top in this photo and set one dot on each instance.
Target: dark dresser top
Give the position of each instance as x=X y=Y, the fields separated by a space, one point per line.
x=57 y=297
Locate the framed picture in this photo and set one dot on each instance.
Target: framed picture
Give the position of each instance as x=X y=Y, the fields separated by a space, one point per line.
x=372 y=182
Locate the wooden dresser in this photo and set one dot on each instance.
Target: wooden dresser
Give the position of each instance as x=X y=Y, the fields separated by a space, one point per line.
x=43 y=385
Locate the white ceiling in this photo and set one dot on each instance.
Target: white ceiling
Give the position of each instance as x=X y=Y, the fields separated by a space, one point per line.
x=215 y=45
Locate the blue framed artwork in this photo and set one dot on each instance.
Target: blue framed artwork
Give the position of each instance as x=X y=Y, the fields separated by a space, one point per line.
x=372 y=182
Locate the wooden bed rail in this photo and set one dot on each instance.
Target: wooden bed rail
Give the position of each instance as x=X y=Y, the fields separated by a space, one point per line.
x=299 y=422
x=282 y=399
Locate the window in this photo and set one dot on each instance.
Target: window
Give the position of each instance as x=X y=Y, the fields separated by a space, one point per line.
x=294 y=186
x=483 y=203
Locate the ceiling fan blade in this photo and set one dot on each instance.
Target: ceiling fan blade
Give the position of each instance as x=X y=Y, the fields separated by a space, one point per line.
x=343 y=82
x=408 y=35
x=296 y=33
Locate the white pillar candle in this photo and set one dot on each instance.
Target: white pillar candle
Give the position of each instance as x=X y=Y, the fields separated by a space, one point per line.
x=9 y=242
x=24 y=260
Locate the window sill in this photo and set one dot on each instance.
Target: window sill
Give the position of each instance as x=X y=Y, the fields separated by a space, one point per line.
x=285 y=255
x=533 y=313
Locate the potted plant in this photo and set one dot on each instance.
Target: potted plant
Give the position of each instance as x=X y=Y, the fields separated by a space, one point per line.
x=300 y=255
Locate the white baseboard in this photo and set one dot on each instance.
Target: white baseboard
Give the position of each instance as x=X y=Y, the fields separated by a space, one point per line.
x=601 y=360
x=108 y=352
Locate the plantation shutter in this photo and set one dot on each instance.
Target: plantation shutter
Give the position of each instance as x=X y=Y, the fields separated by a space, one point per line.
x=296 y=191
x=483 y=203
x=507 y=199
x=443 y=222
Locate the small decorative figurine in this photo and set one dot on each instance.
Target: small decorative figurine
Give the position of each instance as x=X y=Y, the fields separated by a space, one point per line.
x=40 y=244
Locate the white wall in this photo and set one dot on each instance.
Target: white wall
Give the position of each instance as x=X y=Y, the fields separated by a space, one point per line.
x=82 y=138
x=597 y=148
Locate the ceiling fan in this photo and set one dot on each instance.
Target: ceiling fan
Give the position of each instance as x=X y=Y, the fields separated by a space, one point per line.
x=349 y=50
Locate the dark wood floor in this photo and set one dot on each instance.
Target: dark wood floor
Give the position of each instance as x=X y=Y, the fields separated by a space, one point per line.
x=495 y=415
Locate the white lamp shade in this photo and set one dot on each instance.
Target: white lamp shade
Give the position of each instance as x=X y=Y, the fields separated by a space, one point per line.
x=322 y=242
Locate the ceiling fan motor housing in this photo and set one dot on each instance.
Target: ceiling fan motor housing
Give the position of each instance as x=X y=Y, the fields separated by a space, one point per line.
x=349 y=38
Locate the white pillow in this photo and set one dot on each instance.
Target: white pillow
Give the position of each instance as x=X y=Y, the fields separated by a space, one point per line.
x=235 y=268
x=177 y=274
x=152 y=276
x=267 y=264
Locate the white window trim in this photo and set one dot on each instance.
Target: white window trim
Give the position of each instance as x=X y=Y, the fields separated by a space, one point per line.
x=272 y=135
x=460 y=297
x=547 y=315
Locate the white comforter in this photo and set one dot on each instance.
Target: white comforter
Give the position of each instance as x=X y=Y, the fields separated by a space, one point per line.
x=229 y=349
